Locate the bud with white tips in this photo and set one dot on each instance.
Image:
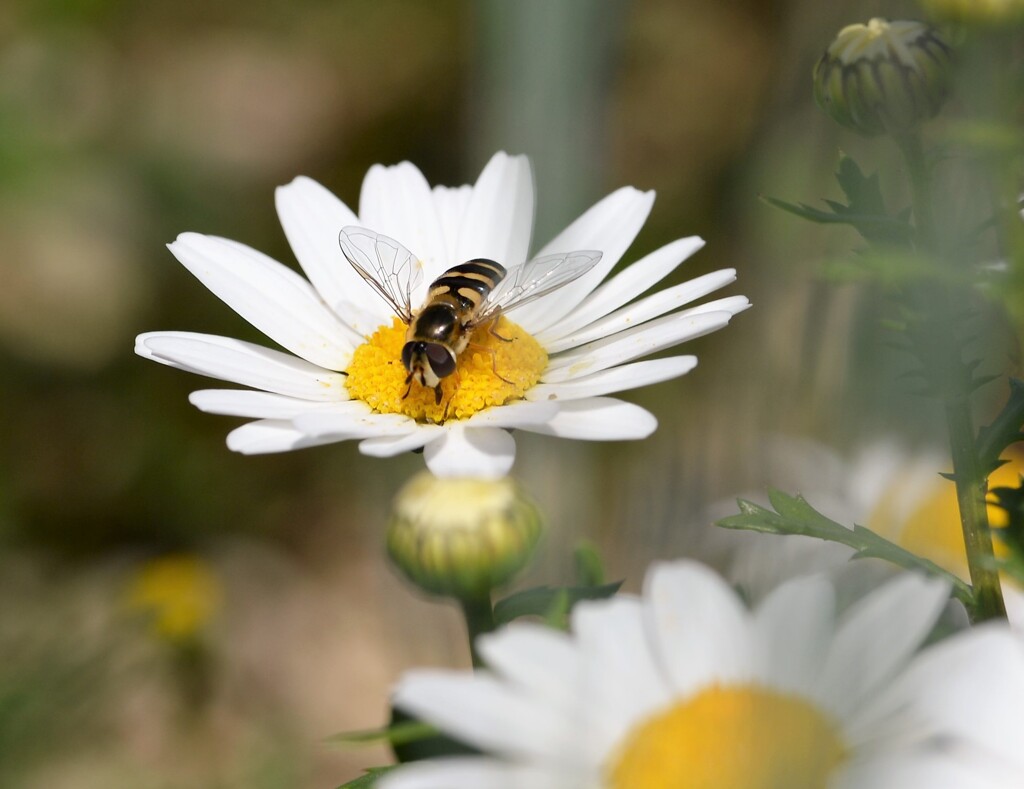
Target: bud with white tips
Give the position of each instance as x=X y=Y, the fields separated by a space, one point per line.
x=883 y=76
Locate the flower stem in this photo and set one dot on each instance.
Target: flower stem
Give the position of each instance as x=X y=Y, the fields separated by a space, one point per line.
x=971 y=483
x=479 y=616
x=970 y=478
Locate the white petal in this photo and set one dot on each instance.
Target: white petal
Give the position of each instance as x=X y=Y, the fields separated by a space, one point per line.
x=396 y=202
x=610 y=227
x=702 y=630
x=792 y=629
x=617 y=379
x=630 y=283
x=272 y=297
x=646 y=309
x=632 y=344
x=471 y=772
x=311 y=217
x=271 y=435
x=540 y=660
x=598 y=419
x=450 y=203
x=920 y=770
x=515 y=414
x=498 y=221
x=876 y=638
x=353 y=419
x=623 y=679
x=975 y=675
x=252 y=405
x=389 y=446
x=479 y=452
x=483 y=712
x=242 y=363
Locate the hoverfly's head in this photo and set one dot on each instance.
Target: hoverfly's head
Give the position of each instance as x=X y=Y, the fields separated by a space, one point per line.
x=428 y=362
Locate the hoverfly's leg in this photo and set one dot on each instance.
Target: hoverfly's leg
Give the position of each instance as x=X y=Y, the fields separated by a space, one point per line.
x=455 y=389
x=494 y=359
x=438 y=394
x=408 y=387
x=493 y=333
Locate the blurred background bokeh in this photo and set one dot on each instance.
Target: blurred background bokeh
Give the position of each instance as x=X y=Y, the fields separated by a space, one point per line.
x=176 y=615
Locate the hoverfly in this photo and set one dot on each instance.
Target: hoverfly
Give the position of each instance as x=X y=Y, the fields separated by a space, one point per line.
x=463 y=298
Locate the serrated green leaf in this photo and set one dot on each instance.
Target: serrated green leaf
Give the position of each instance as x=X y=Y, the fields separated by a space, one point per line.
x=863 y=192
x=539 y=600
x=368 y=780
x=865 y=210
x=1004 y=430
x=842 y=216
x=794 y=515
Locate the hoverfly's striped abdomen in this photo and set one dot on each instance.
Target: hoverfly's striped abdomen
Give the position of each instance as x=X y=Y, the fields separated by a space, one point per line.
x=467 y=284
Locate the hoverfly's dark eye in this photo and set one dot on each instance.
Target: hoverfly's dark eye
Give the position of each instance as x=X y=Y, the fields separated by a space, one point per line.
x=407 y=353
x=442 y=361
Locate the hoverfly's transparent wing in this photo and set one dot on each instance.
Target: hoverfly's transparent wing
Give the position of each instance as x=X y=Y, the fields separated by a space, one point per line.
x=390 y=269
x=536 y=278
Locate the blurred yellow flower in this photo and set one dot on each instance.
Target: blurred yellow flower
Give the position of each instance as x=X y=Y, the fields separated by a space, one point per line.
x=179 y=594
x=927 y=521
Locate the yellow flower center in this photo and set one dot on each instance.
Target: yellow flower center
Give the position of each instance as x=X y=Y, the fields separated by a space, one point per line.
x=377 y=376
x=741 y=737
x=932 y=527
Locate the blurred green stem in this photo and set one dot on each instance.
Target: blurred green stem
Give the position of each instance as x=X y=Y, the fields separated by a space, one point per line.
x=479 y=616
x=970 y=478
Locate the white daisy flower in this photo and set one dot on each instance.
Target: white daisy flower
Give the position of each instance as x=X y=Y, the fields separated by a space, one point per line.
x=687 y=687
x=343 y=376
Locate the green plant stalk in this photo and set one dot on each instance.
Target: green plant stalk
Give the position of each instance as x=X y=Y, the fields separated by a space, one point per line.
x=970 y=478
x=971 y=486
x=479 y=616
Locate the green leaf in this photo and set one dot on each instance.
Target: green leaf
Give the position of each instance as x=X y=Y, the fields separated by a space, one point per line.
x=863 y=191
x=865 y=208
x=540 y=600
x=396 y=734
x=557 y=615
x=589 y=567
x=370 y=779
x=432 y=746
x=1004 y=430
x=793 y=515
x=844 y=216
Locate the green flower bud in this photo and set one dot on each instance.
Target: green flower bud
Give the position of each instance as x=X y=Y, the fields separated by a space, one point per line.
x=462 y=537
x=975 y=12
x=883 y=76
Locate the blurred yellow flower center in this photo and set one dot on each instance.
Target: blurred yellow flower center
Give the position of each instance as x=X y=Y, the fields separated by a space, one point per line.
x=741 y=737
x=377 y=376
x=931 y=527
x=179 y=593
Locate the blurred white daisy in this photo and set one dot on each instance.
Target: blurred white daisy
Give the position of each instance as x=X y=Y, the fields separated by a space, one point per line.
x=343 y=376
x=687 y=687
x=896 y=493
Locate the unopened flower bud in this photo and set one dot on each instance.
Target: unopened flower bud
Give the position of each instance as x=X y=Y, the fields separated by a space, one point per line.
x=883 y=76
x=975 y=12
x=462 y=537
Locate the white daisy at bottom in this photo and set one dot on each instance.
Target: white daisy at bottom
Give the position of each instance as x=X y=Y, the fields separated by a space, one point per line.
x=686 y=687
